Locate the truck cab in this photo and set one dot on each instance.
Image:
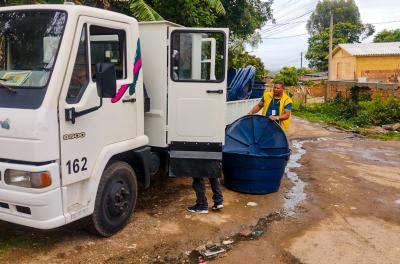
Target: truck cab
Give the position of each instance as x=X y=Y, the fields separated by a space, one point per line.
x=76 y=133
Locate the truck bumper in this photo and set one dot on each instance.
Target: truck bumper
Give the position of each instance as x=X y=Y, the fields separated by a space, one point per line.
x=35 y=208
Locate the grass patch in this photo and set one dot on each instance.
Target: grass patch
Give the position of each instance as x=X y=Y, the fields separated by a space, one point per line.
x=354 y=116
x=387 y=136
x=22 y=242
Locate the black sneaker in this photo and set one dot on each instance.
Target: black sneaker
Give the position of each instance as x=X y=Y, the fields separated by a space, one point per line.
x=217 y=207
x=197 y=209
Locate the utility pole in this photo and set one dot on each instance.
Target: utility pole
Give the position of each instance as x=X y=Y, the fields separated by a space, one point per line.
x=330 y=56
x=330 y=45
x=301 y=60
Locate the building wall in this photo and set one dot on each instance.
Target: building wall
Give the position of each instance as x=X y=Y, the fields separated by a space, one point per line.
x=382 y=68
x=343 y=89
x=343 y=66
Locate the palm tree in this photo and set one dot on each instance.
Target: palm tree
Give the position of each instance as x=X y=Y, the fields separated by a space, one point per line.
x=217 y=5
x=138 y=8
x=143 y=11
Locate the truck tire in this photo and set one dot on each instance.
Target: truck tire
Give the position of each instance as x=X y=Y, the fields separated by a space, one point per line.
x=115 y=199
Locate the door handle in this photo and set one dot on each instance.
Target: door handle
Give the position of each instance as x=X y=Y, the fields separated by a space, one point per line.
x=216 y=91
x=131 y=100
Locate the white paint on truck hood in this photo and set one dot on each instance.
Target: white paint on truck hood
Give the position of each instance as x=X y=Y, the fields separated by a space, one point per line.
x=29 y=135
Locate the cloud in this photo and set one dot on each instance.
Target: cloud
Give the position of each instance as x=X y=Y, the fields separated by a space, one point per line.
x=276 y=53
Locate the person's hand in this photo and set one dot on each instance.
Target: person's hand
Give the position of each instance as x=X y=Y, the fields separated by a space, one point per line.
x=273 y=118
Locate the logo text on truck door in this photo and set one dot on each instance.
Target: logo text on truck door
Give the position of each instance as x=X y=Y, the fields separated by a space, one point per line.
x=74 y=136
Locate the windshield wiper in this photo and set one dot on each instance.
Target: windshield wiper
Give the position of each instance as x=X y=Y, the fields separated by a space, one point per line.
x=9 y=89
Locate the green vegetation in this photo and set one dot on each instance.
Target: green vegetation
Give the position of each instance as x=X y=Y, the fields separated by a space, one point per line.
x=240 y=58
x=22 y=241
x=290 y=75
x=348 y=28
x=190 y=13
x=387 y=136
x=353 y=115
x=388 y=36
x=244 y=17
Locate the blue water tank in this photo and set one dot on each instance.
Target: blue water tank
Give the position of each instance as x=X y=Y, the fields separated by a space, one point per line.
x=255 y=155
x=258 y=90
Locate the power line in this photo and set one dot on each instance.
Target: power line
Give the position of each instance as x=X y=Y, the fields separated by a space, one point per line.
x=293 y=36
x=282 y=29
x=293 y=8
x=268 y=30
x=385 y=22
x=288 y=23
x=282 y=6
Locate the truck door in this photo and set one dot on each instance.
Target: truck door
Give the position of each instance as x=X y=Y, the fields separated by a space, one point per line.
x=95 y=41
x=196 y=101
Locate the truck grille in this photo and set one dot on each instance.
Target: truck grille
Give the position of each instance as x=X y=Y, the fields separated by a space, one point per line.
x=18 y=208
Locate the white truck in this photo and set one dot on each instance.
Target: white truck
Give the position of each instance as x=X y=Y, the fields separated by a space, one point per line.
x=92 y=102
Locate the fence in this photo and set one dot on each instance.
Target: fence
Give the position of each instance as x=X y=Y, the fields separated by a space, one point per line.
x=321 y=92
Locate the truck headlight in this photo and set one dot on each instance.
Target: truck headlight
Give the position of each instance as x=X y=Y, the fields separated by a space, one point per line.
x=27 y=179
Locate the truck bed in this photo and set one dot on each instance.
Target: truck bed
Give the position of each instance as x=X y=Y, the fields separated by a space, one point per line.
x=237 y=109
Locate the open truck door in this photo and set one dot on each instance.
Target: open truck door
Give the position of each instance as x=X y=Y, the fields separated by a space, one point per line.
x=196 y=101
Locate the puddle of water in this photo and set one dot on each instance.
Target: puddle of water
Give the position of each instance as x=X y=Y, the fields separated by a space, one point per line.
x=296 y=194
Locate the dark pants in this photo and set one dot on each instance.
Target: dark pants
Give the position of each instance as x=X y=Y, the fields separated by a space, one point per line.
x=199 y=188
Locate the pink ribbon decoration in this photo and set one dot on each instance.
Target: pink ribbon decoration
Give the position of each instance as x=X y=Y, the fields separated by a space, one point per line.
x=123 y=88
x=120 y=93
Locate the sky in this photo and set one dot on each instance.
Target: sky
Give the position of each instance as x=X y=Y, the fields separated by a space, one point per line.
x=284 y=42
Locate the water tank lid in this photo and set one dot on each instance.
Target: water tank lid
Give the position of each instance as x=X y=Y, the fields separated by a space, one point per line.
x=255 y=135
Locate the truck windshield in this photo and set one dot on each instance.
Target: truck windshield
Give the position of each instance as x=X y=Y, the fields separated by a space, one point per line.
x=29 y=41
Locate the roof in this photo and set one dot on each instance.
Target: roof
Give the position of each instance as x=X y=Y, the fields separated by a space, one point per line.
x=370 y=49
x=316 y=74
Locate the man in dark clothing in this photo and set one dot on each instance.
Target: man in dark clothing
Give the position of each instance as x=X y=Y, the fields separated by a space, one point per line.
x=201 y=205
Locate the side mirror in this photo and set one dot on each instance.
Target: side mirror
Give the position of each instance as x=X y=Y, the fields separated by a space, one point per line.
x=106 y=80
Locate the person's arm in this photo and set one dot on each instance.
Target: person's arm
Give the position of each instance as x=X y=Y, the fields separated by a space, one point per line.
x=256 y=108
x=284 y=116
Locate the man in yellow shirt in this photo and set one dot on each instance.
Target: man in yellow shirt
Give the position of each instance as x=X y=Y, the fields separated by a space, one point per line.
x=276 y=105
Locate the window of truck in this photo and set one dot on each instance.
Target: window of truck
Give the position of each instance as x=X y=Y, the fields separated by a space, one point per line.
x=80 y=73
x=197 y=56
x=29 y=43
x=108 y=45
x=105 y=45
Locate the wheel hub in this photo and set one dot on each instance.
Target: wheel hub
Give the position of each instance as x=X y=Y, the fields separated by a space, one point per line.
x=118 y=201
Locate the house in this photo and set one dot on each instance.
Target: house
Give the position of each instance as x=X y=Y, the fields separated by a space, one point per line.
x=315 y=76
x=366 y=62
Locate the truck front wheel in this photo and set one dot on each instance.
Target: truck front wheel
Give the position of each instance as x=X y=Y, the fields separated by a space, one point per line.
x=115 y=199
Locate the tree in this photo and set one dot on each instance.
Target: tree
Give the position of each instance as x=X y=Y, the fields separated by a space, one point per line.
x=347 y=29
x=146 y=10
x=388 y=36
x=140 y=9
x=291 y=75
x=318 y=44
x=244 y=17
x=240 y=58
x=190 y=13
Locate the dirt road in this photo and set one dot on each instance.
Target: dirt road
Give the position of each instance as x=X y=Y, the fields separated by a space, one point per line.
x=339 y=204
